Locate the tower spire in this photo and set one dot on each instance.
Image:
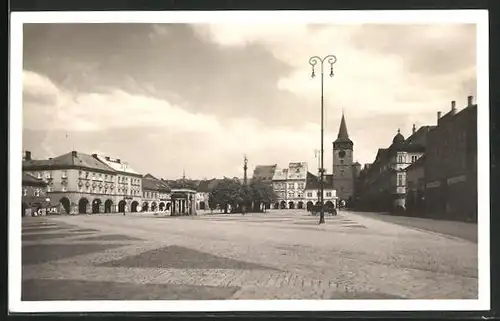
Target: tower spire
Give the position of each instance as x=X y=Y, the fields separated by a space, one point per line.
x=343 y=128
x=183 y=174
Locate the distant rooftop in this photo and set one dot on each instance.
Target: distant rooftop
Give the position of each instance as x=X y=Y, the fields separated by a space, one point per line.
x=116 y=163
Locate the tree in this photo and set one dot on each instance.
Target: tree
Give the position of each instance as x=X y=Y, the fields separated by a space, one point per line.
x=211 y=203
x=227 y=192
x=263 y=193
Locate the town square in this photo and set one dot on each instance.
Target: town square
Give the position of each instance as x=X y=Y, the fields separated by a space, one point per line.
x=207 y=161
x=277 y=255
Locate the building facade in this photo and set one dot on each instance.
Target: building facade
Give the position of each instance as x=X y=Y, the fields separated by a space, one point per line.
x=155 y=195
x=383 y=184
x=344 y=169
x=128 y=192
x=35 y=200
x=82 y=184
x=415 y=187
x=451 y=165
x=203 y=191
x=312 y=191
x=289 y=185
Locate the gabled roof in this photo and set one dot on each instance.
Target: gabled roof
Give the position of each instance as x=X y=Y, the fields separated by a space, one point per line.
x=312 y=181
x=149 y=182
x=30 y=180
x=68 y=161
x=264 y=172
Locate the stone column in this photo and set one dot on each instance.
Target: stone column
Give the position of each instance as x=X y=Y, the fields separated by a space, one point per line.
x=89 y=208
x=101 y=208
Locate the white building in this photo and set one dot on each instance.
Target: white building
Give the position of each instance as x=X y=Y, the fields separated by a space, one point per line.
x=312 y=191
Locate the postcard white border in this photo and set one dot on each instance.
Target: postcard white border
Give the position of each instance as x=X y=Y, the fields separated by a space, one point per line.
x=479 y=17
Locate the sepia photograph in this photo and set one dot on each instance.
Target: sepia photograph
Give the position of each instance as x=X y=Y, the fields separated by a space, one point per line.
x=239 y=161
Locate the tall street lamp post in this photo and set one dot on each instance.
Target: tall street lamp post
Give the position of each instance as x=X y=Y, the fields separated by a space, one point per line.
x=313 y=61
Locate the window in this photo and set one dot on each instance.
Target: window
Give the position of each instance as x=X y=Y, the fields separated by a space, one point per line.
x=36 y=192
x=400 y=180
x=341 y=172
x=290 y=185
x=106 y=177
x=86 y=174
x=301 y=185
x=25 y=191
x=342 y=162
x=328 y=194
x=309 y=194
x=80 y=173
x=400 y=158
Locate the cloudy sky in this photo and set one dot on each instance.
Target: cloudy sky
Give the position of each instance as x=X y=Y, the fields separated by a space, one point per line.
x=169 y=97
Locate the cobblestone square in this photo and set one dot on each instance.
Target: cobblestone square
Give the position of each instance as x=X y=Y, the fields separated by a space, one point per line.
x=277 y=255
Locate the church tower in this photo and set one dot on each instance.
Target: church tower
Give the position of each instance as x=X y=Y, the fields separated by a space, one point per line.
x=343 y=169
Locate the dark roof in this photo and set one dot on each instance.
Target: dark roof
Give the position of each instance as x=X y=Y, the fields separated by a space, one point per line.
x=30 y=180
x=398 y=139
x=420 y=162
x=312 y=181
x=343 y=136
x=182 y=183
x=149 y=182
x=207 y=186
x=68 y=161
x=264 y=172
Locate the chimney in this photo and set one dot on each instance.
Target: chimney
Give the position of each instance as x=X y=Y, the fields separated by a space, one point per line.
x=469 y=101
x=94 y=155
x=414 y=129
x=453 y=105
x=118 y=160
x=27 y=155
x=439 y=115
x=50 y=158
x=107 y=158
x=74 y=153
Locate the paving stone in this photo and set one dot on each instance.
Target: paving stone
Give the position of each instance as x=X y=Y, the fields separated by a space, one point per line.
x=38 y=290
x=48 y=236
x=40 y=253
x=182 y=257
x=112 y=237
x=331 y=260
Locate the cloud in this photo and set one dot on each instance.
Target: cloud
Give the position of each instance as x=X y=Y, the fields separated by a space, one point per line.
x=165 y=132
x=203 y=95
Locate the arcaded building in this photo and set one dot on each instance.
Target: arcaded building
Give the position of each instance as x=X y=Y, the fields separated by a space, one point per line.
x=83 y=184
